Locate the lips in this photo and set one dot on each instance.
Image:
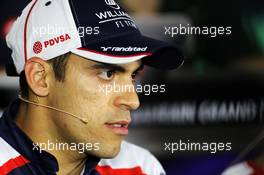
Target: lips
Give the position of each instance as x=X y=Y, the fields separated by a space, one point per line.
x=118 y=127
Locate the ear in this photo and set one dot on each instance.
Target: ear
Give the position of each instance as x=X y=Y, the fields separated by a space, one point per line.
x=36 y=72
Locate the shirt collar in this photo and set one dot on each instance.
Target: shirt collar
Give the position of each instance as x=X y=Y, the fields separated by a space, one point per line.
x=24 y=145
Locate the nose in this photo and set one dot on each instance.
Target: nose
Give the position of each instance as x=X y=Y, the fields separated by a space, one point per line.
x=127 y=99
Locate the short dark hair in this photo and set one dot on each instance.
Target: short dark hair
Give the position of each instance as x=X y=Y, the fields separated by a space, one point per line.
x=59 y=67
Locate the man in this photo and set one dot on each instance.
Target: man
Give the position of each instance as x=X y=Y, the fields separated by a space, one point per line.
x=67 y=53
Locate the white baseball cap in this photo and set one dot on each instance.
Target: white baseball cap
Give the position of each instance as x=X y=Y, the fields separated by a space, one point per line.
x=99 y=30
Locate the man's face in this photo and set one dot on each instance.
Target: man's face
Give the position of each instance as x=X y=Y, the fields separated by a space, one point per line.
x=83 y=94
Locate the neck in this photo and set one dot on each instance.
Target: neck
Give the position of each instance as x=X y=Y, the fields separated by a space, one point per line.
x=38 y=125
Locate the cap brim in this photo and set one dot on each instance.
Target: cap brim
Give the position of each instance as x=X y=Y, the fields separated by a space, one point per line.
x=129 y=48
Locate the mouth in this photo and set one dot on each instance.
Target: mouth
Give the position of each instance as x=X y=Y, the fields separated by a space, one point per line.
x=118 y=127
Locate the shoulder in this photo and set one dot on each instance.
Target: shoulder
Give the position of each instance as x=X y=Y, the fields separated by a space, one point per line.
x=9 y=158
x=242 y=168
x=7 y=152
x=134 y=158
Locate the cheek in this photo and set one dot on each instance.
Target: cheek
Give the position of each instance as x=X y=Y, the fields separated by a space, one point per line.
x=90 y=104
x=84 y=99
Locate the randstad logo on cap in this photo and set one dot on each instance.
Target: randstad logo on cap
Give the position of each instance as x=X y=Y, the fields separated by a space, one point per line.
x=112 y=4
x=124 y=49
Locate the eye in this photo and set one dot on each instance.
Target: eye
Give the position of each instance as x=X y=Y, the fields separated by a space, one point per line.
x=134 y=76
x=107 y=75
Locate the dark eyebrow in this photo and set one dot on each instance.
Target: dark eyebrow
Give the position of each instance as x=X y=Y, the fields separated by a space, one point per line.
x=114 y=67
x=141 y=67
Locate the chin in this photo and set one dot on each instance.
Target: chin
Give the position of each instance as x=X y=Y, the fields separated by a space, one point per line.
x=107 y=151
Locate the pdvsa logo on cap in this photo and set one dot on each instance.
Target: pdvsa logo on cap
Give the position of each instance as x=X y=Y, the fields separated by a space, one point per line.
x=37 y=48
x=112 y=4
